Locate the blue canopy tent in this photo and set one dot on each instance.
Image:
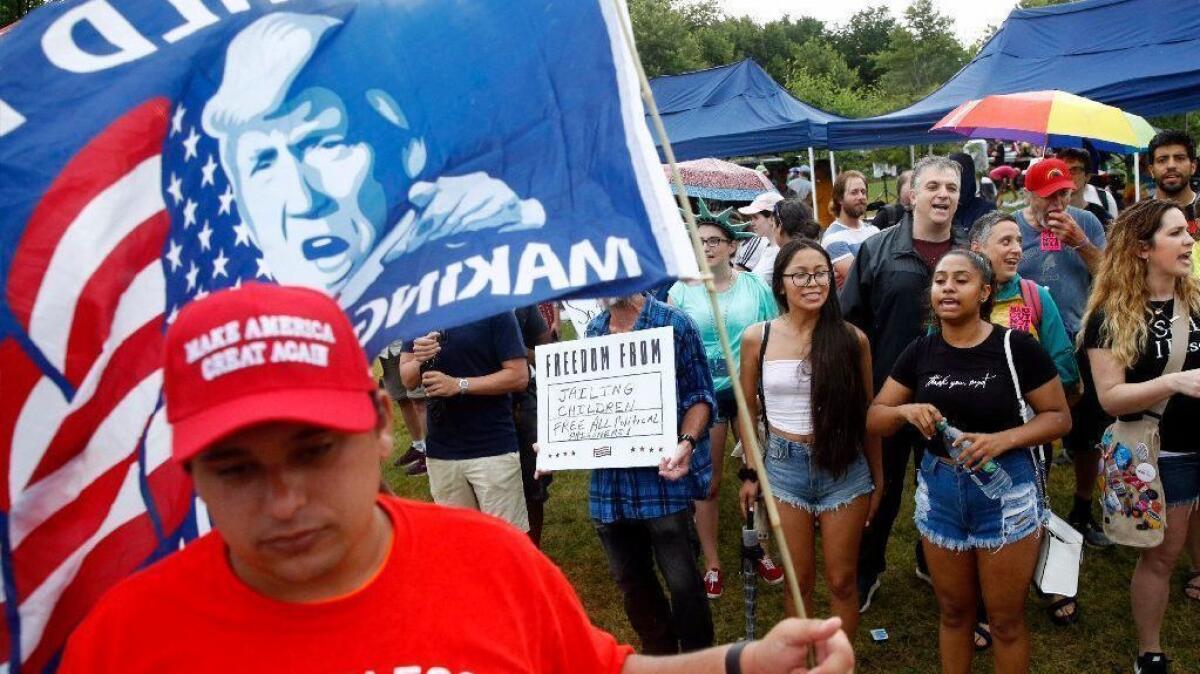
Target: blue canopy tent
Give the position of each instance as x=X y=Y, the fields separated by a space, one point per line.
x=1138 y=55
x=734 y=110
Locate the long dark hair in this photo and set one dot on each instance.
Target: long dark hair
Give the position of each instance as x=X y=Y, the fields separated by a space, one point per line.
x=839 y=393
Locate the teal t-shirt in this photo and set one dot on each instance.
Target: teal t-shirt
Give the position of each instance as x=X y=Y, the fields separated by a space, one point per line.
x=746 y=302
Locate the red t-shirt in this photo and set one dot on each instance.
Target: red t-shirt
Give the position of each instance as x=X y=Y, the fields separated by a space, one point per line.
x=932 y=251
x=460 y=593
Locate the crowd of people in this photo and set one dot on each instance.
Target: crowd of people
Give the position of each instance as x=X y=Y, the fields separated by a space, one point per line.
x=978 y=341
x=855 y=340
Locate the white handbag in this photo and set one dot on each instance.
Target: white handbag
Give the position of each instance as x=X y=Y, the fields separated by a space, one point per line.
x=1057 y=570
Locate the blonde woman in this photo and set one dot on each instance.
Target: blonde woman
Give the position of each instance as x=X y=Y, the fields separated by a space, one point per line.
x=1146 y=268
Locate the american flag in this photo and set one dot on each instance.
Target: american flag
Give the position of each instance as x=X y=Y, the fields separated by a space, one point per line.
x=140 y=221
x=115 y=212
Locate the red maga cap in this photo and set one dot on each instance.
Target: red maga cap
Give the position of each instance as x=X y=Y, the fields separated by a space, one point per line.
x=1048 y=176
x=263 y=353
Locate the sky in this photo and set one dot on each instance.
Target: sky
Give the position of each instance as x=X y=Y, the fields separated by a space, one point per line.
x=971 y=16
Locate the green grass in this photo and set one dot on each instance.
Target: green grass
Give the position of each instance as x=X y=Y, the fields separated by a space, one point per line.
x=1103 y=641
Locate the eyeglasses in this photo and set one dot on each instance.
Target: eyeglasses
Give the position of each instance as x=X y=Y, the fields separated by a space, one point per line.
x=713 y=242
x=801 y=279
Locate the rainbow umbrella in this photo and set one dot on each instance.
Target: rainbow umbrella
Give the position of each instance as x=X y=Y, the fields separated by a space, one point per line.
x=1052 y=118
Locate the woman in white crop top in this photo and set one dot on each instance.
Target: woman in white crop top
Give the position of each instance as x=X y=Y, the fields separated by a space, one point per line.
x=811 y=371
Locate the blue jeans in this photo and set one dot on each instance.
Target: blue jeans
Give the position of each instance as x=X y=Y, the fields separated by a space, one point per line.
x=952 y=512
x=632 y=547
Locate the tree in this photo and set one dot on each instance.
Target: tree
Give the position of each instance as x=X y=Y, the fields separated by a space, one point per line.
x=817 y=58
x=11 y=10
x=921 y=54
x=666 y=42
x=699 y=13
x=866 y=34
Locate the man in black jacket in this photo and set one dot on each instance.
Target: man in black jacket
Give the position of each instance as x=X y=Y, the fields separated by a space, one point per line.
x=887 y=296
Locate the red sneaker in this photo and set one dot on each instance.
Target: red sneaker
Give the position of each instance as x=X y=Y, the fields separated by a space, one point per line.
x=768 y=571
x=713 y=584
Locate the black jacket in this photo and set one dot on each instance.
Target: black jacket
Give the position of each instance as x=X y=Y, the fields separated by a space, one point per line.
x=887 y=294
x=970 y=205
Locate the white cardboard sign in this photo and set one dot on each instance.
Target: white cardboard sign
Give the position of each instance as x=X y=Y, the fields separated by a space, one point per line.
x=607 y=402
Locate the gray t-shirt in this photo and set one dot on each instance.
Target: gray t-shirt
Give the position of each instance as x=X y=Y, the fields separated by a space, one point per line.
x=1062 y=271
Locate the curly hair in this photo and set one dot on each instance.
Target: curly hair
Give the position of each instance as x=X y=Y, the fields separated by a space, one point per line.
x=1120 y=290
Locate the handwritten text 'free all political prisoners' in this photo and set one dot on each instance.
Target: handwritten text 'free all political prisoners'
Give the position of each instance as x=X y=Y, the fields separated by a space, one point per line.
x=607 y=401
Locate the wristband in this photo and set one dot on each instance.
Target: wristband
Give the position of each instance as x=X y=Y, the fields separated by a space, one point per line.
x=688 y=439
x=747 y=474
x=733 y=657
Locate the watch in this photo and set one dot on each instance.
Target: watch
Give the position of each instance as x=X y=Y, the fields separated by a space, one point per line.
x=463 y=385
x=684 y=437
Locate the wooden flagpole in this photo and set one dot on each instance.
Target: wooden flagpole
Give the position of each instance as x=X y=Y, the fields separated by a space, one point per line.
x=749 y=440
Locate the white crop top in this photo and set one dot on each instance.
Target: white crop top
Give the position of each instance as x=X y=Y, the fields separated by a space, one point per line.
x=787 y=395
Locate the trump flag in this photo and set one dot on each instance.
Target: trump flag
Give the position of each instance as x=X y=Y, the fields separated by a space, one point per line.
x=427 y=163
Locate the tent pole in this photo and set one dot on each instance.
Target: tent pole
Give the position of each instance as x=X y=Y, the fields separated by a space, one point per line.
x=832 y=167
x=912 y=156
x=752 y=448
x=1137 y=178
x=812 y=179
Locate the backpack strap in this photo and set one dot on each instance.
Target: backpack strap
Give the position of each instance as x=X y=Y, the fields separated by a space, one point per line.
x=1179 y=346
x=1032 y=297
x=762 y=357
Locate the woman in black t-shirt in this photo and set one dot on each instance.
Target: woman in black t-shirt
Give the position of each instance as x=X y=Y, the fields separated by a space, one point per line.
x=974 y=541
x=1146 y=268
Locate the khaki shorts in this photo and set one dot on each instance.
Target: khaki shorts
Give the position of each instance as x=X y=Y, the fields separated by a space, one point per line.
x=491 y=484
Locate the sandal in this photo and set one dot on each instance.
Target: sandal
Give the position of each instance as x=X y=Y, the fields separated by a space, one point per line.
x=1058 y=614
x=983 y=637
x=1191 y=585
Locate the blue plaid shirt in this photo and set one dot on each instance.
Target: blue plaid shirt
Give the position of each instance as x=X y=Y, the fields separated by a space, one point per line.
x=639 y=493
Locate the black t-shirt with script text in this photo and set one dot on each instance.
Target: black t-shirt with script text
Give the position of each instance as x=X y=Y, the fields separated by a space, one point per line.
x=1178 y=426
x=972 y=387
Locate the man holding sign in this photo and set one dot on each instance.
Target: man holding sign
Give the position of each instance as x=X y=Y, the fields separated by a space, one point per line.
x=644 y=514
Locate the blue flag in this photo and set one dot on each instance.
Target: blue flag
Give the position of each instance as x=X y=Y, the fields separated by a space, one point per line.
x=426 y=163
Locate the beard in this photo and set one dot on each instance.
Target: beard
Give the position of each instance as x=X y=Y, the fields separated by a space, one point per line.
x=1184 y=181
x=854 y=210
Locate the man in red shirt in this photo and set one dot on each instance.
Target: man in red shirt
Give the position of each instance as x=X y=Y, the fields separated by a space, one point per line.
x=309 y=568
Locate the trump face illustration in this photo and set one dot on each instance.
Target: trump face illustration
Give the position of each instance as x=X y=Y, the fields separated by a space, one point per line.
x=305 y=160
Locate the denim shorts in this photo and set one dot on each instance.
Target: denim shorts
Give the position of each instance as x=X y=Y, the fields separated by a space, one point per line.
x=952 y=512
x=797 y=482
x=1180 y=479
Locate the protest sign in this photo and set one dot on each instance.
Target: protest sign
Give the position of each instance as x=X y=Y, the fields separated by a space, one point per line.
x=607 y=402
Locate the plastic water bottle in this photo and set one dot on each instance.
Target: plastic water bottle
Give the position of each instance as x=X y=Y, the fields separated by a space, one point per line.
x=992 y=479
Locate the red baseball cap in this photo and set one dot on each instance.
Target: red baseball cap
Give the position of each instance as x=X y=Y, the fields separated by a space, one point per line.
x=1048 y=176
x=263 y=353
